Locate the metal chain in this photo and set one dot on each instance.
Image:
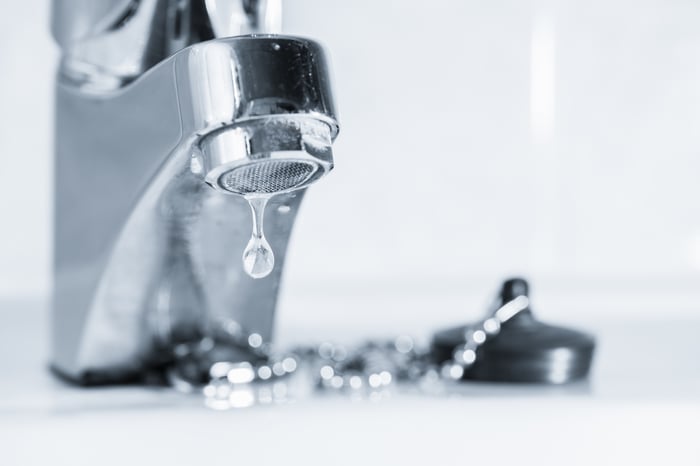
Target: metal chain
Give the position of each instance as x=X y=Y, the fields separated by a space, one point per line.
x=370 y=368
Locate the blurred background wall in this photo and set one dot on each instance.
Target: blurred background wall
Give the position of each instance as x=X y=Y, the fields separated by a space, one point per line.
x=558 y=140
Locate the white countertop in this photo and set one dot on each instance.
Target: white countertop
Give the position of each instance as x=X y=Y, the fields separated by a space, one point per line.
x=641 y=405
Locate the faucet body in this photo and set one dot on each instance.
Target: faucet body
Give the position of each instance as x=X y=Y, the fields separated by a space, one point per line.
x=147 y=243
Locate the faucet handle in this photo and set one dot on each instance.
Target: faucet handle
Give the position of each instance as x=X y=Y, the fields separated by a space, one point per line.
x=234 y=18
x=108 y=43
x=75 y=20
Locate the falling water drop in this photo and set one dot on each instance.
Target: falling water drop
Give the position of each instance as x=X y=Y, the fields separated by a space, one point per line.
x=258 y=258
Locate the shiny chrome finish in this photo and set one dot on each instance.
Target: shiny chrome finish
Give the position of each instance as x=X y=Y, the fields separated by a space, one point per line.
x=238 y=17
x=147 y=240
x=108 y=43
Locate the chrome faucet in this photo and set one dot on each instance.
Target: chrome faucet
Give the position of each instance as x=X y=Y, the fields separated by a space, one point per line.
x=165 y=125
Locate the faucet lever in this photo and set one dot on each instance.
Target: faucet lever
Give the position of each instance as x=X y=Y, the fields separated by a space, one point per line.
x=240 y=17
x=109 y=43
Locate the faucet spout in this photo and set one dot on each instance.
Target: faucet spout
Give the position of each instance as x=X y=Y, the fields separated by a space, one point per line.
x=151 y=216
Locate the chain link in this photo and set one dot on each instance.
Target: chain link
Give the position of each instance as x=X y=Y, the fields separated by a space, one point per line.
x=263 y=376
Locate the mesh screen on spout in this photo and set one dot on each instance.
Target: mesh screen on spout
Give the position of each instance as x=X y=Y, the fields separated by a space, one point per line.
x=268 y=177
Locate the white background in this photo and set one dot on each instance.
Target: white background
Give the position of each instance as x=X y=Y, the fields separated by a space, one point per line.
x=479 y=139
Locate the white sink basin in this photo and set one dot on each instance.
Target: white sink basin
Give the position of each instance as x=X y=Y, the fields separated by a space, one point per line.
x=641 y=405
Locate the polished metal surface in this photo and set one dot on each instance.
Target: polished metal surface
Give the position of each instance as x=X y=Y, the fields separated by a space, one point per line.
x=108 y=43
x=147 y=240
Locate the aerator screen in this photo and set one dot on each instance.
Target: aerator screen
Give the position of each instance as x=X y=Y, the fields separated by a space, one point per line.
x=268 y=177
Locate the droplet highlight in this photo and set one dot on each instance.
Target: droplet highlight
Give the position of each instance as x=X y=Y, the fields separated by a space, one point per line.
x=258 y=258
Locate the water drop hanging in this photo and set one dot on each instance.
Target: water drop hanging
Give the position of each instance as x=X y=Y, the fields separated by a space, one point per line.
x=258 y=258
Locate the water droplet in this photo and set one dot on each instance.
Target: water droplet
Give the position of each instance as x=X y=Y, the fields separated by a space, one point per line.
x=337 y=381
x=258 y=258
x=278 y=369
x=255 y=340
x=356 y=382
x=275 y=46
x=264 y=372
x=241 y=373
x=289 y=364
